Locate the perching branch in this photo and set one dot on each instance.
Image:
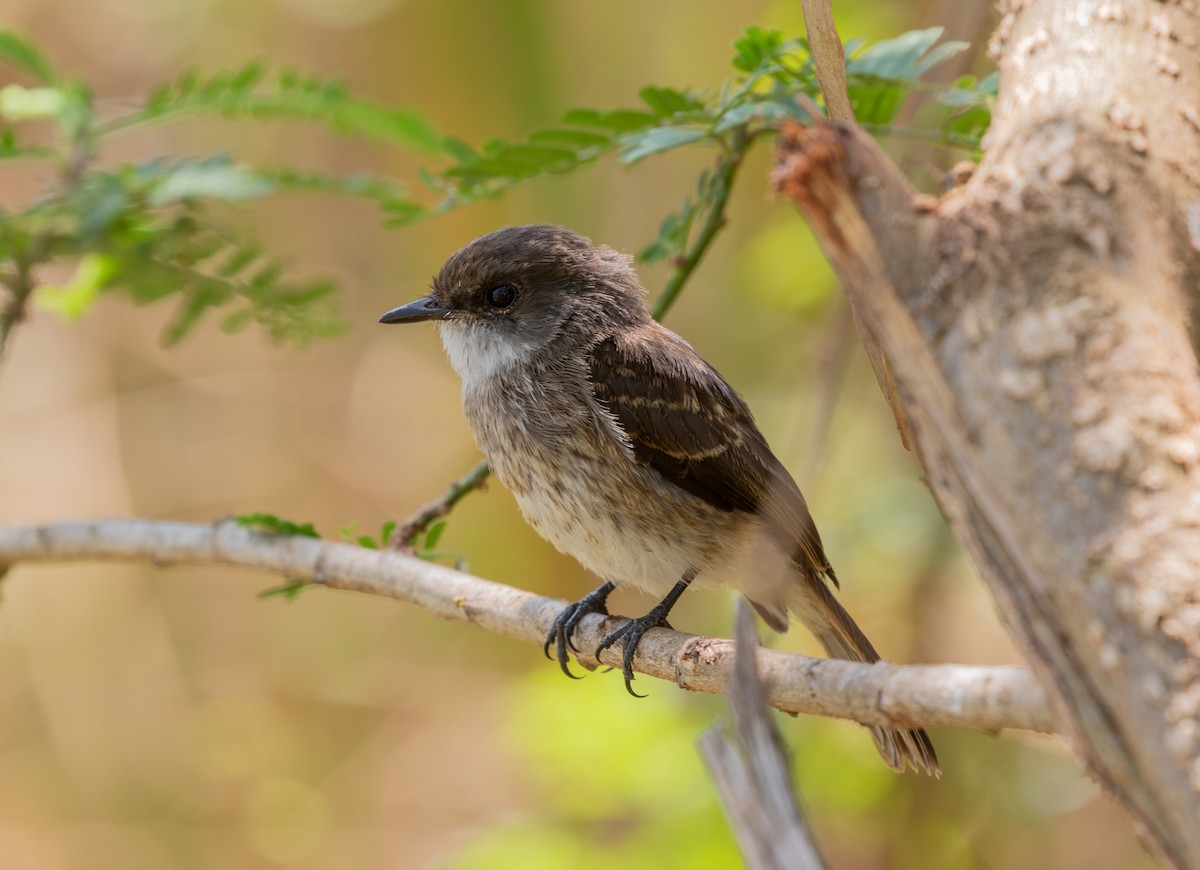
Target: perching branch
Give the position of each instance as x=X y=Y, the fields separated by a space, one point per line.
x=931 y=696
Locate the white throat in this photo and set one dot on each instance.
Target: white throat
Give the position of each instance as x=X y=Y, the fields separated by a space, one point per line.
x=478 y=354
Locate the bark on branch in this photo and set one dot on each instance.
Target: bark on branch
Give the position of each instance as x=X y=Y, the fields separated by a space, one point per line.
x=1038 y=321
x=930 y=696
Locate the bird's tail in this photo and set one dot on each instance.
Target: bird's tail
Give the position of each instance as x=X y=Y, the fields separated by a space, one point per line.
x=837 y=632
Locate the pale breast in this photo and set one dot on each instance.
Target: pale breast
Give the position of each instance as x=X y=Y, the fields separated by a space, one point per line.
x=580 y=488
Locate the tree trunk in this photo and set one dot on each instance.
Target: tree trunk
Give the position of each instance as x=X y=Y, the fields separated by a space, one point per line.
x=1037 y=320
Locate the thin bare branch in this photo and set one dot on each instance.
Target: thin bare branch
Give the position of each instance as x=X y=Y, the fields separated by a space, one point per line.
x=833 y=366
x=933 y=696
x=423 y=517
x=20 y=285
x=828 y=58
x=752 y=773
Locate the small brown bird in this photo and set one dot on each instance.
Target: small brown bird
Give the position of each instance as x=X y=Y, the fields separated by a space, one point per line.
x=627 y=450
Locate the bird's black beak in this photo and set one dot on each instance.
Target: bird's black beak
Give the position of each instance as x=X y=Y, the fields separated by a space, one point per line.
x=421 y=309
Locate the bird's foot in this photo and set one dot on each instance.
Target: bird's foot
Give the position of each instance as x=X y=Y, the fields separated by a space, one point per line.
x=631 y=633
x=560 y=635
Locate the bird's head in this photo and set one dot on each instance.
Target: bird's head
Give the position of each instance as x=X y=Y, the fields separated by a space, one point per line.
x=511 y=292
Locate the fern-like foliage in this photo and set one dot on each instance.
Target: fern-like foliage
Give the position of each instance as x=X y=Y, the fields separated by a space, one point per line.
x=22 y=54
x=148 y=231
x=249 y=92
x=770 y=72
x=144 y=230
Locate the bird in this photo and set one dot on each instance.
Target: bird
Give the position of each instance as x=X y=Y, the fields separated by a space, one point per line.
x=626 y=450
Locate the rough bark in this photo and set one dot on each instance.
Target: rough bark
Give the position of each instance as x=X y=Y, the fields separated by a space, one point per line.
x=1039 y=323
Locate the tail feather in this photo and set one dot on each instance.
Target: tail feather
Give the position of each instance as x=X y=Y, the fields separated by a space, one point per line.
x=841 y=637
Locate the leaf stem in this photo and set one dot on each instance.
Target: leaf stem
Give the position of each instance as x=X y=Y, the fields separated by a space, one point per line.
x=718 y=188
x=20 y=286
x=407 y=532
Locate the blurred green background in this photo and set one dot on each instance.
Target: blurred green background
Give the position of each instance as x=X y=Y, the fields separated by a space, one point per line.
x=154 y=719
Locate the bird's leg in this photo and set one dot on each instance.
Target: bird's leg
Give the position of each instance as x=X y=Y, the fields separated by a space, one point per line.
x=631 y=632
x=595 y=601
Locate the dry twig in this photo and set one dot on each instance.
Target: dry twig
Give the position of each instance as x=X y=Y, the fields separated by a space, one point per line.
x=752 y=773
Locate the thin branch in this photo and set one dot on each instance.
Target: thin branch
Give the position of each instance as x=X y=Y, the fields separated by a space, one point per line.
x=829 y=58
x=474 y=479
x=20 y=288
x=833 y=366
x=830 y=61
x=714 y=221
x=752 y=773
x=934 y=696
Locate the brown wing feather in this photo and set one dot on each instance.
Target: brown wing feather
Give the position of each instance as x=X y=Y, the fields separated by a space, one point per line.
x=684 y=421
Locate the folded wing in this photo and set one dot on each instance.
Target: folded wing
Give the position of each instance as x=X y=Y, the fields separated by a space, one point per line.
x=683 y=420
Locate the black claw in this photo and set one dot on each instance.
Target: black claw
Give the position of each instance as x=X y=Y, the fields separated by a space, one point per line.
x=564 y=626
x=631 y=632
x=564 y=657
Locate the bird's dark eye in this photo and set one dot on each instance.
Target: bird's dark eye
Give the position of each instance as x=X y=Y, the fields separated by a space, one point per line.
x=501 y=296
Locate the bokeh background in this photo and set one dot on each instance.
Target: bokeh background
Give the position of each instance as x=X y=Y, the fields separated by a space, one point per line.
x=169 y=719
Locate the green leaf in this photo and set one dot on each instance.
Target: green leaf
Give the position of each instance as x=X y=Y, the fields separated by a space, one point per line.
x=635 y=147
x=75 y=118
x=576 y=139
x=182 y=255
x=880 y=77
x=237 y=321
x=769 y=112
x=460 y=151
x=672 y=233
x=288 y=591
x=755 y=48
x=20 y=52
x=197 y=300
x=618 y=121
x=905 y=58
x=404 y=213
x=385 y=192
x=667 y=102
x=967 y=92
x=271 y=523
x=386 y=530
x=73 y=299
x=434 y=534
x=237 y=260
x=12 y=149
x=216 y=178
x=245 y=93
x=22 y=104
x=520 y=160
